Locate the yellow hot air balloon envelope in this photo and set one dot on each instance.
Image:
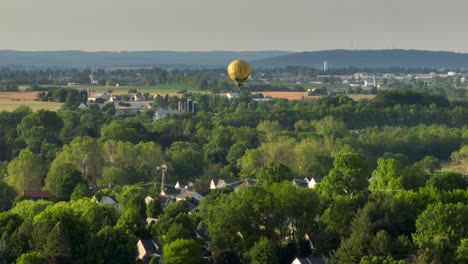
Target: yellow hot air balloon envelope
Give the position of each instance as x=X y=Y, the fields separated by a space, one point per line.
x=239 y=71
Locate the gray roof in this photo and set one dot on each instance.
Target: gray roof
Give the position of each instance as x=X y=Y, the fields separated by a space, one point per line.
x=311 y=260
x=152 y=247
x=246 y=183
x=300 y=182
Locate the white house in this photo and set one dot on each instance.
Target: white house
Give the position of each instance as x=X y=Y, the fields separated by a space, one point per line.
x=312 y=183
x=163 y=200
x=232 y=95
x=313 y=260
x=148 y=248
x=224 y=182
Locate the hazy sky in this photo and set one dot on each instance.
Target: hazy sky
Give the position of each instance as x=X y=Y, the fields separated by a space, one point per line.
x=183 y=25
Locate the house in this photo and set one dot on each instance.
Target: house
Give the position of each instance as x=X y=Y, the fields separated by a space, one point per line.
x=99 y=96
x=218 y=184
x=148 y=248
x=36 y=194
x=313 y=182
x=103 y=199
x=301 y=182
x=183 y=185
x=232 y=95
x=163 y=200
x=187 y=195
x=306 y=183
x=244 y=184
x=310 y=260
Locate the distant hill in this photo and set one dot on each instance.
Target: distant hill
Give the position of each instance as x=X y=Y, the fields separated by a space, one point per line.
x=134 y=58
x=369 y=59
x=210 y=59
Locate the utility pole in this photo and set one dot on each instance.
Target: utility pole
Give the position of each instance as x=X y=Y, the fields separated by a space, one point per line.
x=163 y=168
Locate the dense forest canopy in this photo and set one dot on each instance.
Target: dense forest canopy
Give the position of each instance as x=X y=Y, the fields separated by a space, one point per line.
x=383 y=195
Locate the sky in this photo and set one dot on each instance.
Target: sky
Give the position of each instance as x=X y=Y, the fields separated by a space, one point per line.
x=240 y=25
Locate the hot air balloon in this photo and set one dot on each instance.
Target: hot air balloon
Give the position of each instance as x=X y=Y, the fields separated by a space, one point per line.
x=239 y=71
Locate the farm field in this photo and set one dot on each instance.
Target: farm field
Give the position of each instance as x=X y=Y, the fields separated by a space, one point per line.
x=159 y=89
x=12 y=104
x=11 y=100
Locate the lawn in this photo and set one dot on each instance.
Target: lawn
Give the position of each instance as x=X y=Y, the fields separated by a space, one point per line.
x=11 y=104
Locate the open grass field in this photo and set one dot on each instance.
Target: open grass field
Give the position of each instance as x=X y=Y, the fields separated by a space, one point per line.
x=12 y=104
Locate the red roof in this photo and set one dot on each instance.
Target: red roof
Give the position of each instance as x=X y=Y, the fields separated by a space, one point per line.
x=36 y=194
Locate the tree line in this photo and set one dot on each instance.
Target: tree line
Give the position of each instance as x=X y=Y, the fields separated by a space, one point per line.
x=382 y=197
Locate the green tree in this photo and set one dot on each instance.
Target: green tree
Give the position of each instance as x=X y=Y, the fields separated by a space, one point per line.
x=153 y=208
x=339 y=214
x=186 y=159
x=73 y=99
x=38 y=127
x=388 y=175
x=447 y=181
x=132 y=222
x=429 y=164
x=461 y=158
x=33 y=257
x=62 y=181
x=250 y=163
x=263 y=252
x=130 y=131
x=182 y=251
x=275 y=173
x=177 y=231
x=28 y=209
x=441 y=220
x=238 y=219
x=225 y=256
x=27 y=171
x=330 y=127
x=295 y=210
x=84 y=154
x=12 y=241
x=57 y=245
x=348 y=176
x=312 y=159
x=7 y=195
x=462 y=252
x=80 y=191
x=174 y=222
x=112 y=245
